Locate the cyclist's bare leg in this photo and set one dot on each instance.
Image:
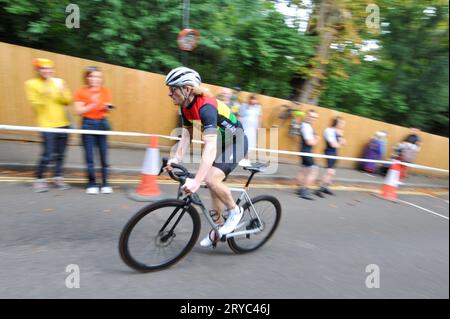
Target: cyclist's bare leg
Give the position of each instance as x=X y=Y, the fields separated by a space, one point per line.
x=219 y=191
x=218 y=206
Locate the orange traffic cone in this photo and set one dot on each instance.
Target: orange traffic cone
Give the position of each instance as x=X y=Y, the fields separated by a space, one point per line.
x=148 y=189
x=391 y=182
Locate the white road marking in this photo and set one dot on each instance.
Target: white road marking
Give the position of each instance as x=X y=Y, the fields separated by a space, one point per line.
x=427 y=210
x=445 y=200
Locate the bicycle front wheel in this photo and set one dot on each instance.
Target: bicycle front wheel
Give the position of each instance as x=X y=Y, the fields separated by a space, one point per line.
x=159 y=235
x=268 y=210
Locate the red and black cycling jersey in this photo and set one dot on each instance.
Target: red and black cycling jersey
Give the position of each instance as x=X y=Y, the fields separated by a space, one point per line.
x=214 y=115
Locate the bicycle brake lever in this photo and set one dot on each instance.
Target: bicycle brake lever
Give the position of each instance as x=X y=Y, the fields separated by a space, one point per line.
x=165 y=160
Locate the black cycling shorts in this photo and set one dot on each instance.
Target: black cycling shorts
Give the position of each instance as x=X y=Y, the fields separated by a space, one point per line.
x=230 y=156
x=308 y=161
x=331 y=162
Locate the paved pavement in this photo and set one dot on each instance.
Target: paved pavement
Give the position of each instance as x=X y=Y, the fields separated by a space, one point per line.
x=22 y=156
x=327 y=248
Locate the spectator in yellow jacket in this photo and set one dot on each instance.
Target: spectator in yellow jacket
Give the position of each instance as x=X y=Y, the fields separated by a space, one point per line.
x=49 y=97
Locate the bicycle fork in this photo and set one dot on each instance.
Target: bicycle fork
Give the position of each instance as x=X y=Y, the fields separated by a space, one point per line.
x=171 y=233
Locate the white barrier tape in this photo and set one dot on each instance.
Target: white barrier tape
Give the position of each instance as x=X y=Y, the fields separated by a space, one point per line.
x=425 y=167
x=355 y=159
x=78 y=131
x=320 y=155
x=117 y=133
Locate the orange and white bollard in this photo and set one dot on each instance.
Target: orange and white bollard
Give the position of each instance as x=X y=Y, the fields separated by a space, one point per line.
x=148 y=189
x=391 y=182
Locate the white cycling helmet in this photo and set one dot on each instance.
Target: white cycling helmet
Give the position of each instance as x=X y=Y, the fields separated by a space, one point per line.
x=182 y=76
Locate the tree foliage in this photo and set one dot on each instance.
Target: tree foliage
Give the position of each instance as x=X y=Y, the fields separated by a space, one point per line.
x=408 y=83
x=248 y=44
x=243 y=43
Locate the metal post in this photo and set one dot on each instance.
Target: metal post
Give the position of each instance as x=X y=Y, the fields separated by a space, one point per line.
x=186 y=6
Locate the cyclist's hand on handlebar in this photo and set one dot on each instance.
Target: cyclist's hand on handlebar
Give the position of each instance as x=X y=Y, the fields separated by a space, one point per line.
x=191 y=186
x=173 y=160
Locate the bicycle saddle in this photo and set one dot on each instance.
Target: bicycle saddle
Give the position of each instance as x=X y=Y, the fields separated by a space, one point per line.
x=256 y=167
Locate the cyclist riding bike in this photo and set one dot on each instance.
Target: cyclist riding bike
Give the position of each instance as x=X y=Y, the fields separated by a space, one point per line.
x=224 y=138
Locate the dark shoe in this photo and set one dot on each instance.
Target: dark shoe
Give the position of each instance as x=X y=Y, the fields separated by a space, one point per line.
x=304 y=193
x=325 y=190
x=318 y=193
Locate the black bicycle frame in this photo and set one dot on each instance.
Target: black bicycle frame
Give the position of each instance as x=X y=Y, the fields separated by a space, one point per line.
x=187 y=203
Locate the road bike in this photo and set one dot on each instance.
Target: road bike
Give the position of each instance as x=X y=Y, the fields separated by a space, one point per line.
x=162 y=233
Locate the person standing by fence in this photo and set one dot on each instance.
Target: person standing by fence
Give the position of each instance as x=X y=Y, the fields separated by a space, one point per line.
x=407 y=151
x=49 y=97
x=372 y=151
x=226 y=96
x=250 y=116
x=93 y=102
x=308 y=172
x=334 y=139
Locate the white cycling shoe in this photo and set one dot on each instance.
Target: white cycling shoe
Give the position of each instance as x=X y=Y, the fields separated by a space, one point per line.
x=232 y=221
x=206 y=242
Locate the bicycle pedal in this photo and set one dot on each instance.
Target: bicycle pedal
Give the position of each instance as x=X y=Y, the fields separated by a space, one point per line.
x=214 y=237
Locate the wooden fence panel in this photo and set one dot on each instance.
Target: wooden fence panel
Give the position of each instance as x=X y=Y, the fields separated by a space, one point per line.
x=143 y=106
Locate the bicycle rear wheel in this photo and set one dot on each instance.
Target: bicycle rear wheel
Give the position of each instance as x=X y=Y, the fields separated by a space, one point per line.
x=159 y=235
x=269 y=212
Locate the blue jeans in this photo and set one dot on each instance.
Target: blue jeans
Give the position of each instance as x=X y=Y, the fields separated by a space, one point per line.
x=89 y=143
x=54 y=146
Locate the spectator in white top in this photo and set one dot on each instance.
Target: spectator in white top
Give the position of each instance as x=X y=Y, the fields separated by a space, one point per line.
x=334 y=139
x=308 y=172
x=250 y=117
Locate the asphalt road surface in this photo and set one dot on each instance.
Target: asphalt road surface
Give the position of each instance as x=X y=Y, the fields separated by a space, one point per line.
x=335 y=247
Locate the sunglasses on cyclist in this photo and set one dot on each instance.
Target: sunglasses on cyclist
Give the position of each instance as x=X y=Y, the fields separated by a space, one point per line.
x=172 y=89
